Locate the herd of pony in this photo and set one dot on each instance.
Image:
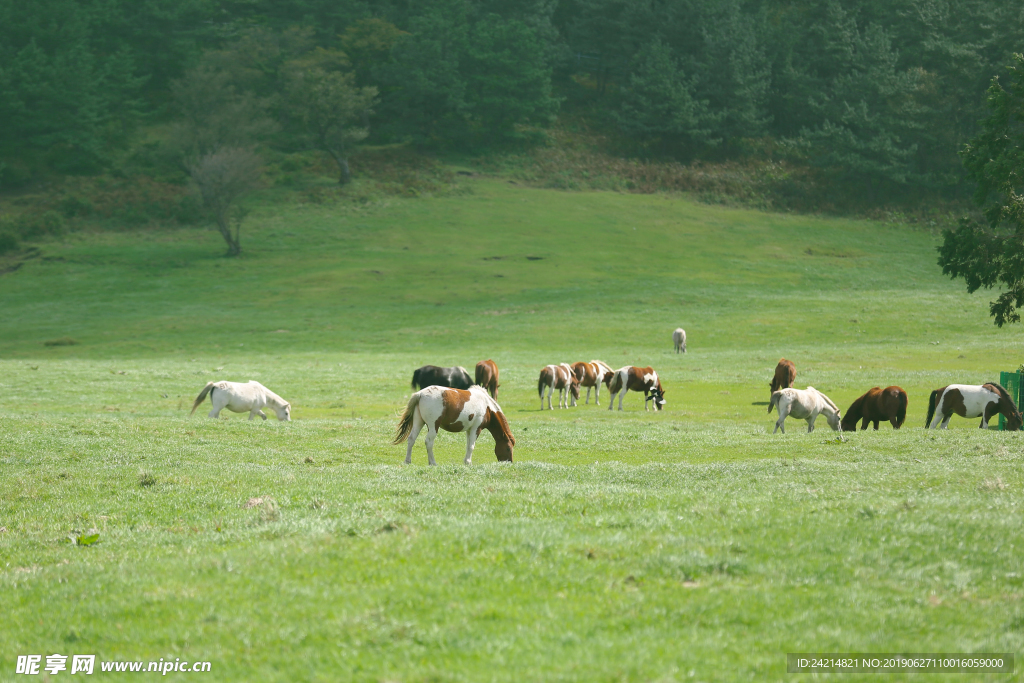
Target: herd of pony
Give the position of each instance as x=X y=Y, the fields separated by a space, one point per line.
x=889 y=404
x=449 y=399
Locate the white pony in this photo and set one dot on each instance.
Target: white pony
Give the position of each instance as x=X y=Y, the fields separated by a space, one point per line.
x=454 y=410
x=805 y=404
x=679 y=340
x=243 y=398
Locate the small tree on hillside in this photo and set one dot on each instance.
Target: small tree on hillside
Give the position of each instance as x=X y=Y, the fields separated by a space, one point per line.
x=214 y=137
x=222 y=178
x=986 y=255
x=334 y=112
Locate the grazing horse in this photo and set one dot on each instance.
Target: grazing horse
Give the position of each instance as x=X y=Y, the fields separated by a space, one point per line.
x=487 y=376
x=785 y=374
x=454 y=410
x=632 y=378
x=877 y=405
x=243 y=398
x=968 y=400
x=558 y=377
x=431 y=375
x=804 y=404
x=591 y=375
x=679 y=340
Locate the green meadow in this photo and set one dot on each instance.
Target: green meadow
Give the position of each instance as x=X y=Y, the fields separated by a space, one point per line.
x=686 y=545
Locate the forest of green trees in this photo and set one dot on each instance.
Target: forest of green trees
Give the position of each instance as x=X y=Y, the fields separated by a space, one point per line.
x=879 y=96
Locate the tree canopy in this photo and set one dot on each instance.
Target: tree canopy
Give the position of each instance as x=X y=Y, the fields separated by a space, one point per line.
x=877 y=96
x=991 y=253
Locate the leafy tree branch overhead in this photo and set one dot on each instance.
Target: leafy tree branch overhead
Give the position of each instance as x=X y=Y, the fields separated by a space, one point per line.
x=991 y=253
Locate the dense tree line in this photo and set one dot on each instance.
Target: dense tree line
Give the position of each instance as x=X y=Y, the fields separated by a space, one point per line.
x=879 y=96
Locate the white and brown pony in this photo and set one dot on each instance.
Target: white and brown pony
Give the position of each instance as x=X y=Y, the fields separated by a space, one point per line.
x=804 y=404
x=562 y=378
x=250 y=397
x=632 y=378
x=487 y=376
x=679 y=340
x=454 y=410
x=591 y=375
x=968 y=400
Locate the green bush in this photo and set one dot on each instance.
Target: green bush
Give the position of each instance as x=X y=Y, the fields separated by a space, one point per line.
x=8 y=242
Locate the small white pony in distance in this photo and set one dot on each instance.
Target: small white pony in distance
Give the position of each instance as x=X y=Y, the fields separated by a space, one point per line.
x=804 y=404
x=243 y=398
x=679 y=340
x=454 y=410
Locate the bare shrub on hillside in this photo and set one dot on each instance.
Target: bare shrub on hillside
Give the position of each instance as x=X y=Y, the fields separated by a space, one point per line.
x=222 y=178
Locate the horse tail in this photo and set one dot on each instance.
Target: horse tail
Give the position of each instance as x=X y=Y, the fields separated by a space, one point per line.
x=405 y=424
x=201 y=397
x=416 y=379
x=931 y=409
x=776 y=396
x=540 y=384
x=616 y=384
x=901 y=411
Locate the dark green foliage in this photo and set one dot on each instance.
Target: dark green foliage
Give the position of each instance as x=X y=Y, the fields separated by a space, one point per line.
x=992 y=254
x=659 y=106
x=8 y=242
x=874 y=97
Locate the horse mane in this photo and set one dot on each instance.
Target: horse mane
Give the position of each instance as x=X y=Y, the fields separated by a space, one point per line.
x=827 y=399
x=855 y=411
x=502 y=426
x=271 y=395
x=1002 y=392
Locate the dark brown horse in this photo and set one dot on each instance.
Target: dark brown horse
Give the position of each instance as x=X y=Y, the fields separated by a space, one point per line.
x=487 y=376
x=785 y=375
x=430 y=375
x=889 y=404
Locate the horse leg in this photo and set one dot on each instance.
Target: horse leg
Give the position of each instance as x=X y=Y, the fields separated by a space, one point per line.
x=429 y=440
x=876 y=425
x=417 y=425
x=810 y=422
x=864 y=424
x=622 y=395
x=611 y=399
x=471 y=435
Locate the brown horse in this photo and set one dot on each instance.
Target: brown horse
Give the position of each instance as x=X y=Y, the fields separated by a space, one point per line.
x=888 y=404
x=785 y=375
x=487 y=376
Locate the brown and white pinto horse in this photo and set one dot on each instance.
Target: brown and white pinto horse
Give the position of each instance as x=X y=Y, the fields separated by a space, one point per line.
x=558 y=377
x=785 y=375
x=487 y=376
x=454 y=410
x=632 y=378
x=876 y=405
x=591 y=375
x=968 y=400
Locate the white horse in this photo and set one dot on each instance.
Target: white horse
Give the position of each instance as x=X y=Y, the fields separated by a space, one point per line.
x=243 y=398
x=804 y=404
x=454 y=410
x=679 y=340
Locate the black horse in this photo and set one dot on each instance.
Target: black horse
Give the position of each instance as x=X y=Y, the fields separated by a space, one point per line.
x=431 y=375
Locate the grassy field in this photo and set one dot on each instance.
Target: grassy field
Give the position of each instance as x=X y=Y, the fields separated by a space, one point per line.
x=686 y=545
